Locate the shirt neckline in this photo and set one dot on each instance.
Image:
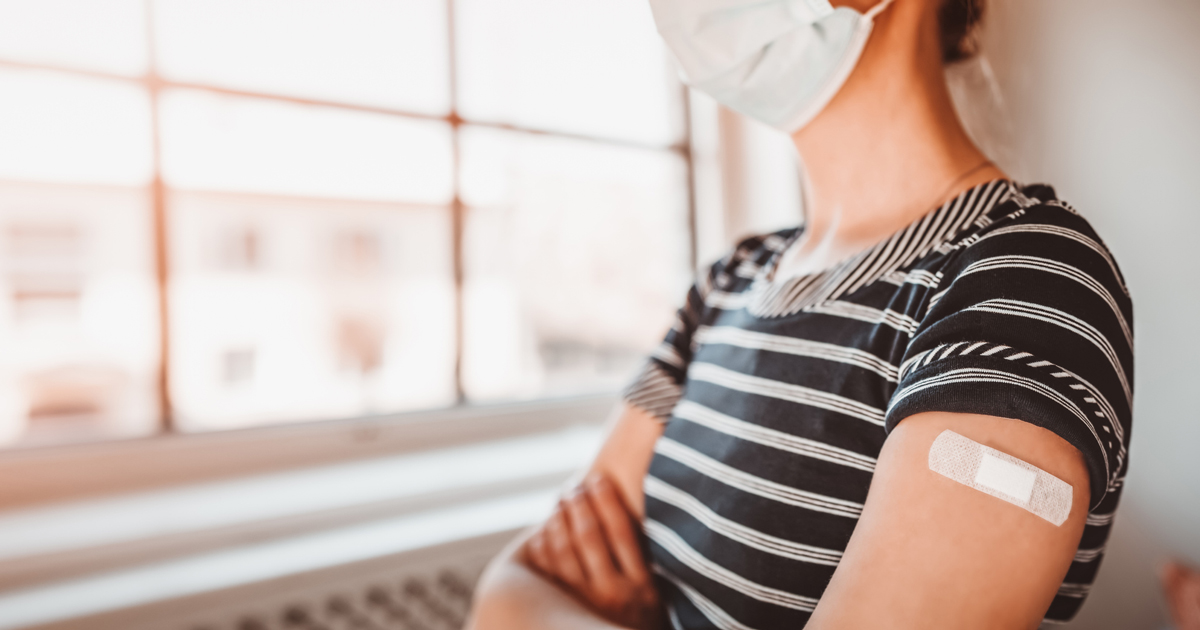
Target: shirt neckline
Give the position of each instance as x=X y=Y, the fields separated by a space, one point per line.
x=773 y=298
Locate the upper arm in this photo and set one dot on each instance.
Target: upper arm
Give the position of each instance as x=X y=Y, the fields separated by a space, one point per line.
x=1025 y=348
x=625 y=455
x=652 y=395
x=929 y=552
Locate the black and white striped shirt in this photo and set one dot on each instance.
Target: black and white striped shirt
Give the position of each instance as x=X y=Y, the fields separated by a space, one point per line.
x=778 y=395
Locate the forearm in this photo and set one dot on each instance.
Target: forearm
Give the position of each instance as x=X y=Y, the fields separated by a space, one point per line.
x=511 y=596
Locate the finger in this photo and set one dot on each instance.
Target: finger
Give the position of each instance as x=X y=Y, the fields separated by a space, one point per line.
x=562 y=552
x=538 y=555
x=591 y=545
x=617 y=523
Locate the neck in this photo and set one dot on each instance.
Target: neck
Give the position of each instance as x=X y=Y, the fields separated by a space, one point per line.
x=889 y=147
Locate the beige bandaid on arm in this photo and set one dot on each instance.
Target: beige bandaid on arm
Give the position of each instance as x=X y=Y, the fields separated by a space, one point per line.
x=1002 y=476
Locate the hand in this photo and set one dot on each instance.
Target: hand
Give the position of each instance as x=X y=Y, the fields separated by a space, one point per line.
x=590 y=546
x=1182 y=588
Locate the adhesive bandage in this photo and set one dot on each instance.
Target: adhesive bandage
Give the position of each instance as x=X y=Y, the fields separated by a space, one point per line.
x=1002 y=476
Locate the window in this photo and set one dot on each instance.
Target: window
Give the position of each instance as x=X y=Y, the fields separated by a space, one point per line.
x=219 y=214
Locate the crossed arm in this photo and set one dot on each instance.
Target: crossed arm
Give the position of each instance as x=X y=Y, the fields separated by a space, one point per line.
x=927 y=552
x=538 y=590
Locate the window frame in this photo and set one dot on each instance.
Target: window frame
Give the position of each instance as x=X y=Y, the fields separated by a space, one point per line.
x=341 y=429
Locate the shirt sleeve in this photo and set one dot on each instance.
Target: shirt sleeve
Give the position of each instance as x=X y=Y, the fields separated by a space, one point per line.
x=1031 y=321
x=658 y=386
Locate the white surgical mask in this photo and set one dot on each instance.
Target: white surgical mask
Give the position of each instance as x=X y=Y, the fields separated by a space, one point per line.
x=778 y=61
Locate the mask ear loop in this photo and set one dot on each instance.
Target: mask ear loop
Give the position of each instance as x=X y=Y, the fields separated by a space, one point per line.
x=877 y=9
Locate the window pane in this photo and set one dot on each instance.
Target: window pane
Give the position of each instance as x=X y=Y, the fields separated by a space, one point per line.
x=216 y=142
x=576 y=259
x=387 y=53
x=594 y=67
x=104 y=35
x=78 y=314
x=288 y=310
x=58 y=127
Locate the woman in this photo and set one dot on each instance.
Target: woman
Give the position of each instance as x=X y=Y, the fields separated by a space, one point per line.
x=774 y=464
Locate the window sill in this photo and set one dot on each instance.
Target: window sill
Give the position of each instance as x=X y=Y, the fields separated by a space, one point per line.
x=70 y=473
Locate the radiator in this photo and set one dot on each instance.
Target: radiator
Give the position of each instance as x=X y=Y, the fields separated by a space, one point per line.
x=427 y=589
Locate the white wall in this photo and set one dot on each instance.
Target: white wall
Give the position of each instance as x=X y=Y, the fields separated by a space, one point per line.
x=1104 y=98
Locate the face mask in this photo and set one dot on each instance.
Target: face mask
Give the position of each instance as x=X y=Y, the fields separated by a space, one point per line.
x=778 y=61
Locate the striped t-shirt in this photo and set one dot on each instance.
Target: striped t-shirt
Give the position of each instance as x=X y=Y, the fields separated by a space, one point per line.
x=778 y=395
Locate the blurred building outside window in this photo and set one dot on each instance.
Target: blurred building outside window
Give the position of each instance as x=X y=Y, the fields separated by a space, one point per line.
x=219 y=214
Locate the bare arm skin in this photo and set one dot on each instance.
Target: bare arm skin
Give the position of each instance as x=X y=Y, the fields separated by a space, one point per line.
x=514 y=595
x=592 y=545
x=1181 y=586
x=928 y=552
x=931 y=553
